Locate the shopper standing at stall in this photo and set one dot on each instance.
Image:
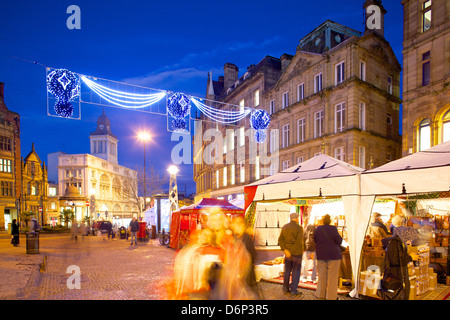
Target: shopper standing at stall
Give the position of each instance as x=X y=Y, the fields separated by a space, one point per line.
x=329 y=255
x=291 y=241
x=310 y=253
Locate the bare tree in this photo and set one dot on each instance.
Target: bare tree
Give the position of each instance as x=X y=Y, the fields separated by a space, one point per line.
x=135 y=190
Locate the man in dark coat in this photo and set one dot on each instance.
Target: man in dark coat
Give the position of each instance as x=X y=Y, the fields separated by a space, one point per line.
x=397 y=258
x=291 y=241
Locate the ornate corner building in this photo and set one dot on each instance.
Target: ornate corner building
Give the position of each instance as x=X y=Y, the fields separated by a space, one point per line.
x=426 y=74
x=339 y=94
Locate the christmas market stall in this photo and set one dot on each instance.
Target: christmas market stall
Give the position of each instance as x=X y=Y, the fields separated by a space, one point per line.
x=195 y=217
x=321 y=185
x=409 y=197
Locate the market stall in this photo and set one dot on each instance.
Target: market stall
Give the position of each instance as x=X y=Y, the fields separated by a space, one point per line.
x=415 y=188
x=322 y=185
x=195 y=216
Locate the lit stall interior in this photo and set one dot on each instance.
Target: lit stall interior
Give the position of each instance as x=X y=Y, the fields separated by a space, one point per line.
x=425 y=232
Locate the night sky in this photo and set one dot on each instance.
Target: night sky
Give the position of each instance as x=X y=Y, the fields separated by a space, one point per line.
x=169 y=45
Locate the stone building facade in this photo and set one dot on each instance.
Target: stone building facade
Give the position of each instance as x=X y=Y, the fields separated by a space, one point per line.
x=426 y=70
x=95 y=184
x=10 y=163
x=34 y=186
x=339 y=95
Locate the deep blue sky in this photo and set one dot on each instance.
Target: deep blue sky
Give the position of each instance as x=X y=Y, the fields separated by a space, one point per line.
x=168 y=45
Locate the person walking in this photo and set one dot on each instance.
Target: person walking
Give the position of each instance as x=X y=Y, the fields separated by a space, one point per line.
x=310 y=253
x=15 y=233
x=329 y=257
x=134 y=228
x=291 y=241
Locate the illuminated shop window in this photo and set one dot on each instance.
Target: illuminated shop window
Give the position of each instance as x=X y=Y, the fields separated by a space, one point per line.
x=446 y=127
x=424 y=135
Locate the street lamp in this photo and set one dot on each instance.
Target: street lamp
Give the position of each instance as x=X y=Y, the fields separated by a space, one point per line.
x=144 y=136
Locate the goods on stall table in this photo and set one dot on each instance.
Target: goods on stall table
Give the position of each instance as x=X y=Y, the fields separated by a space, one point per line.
x=425 y=279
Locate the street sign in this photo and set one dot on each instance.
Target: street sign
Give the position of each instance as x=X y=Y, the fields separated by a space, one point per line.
x=40 y=209
x=87 y=203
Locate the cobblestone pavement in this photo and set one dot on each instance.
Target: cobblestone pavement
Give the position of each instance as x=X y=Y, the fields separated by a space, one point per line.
x=109 y=269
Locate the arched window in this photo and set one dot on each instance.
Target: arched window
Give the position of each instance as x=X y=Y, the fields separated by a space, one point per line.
x=424 y=135
x=446 y=127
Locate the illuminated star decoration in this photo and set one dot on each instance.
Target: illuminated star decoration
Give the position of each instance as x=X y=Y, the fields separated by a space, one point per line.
x=178 y=106
x=260 y=120
x=65 y=86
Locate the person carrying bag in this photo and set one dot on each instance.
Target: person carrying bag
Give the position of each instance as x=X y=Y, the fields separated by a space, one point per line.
x=395 y=282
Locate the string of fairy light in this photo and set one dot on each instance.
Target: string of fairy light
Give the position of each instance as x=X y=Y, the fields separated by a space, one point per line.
x=65 y=86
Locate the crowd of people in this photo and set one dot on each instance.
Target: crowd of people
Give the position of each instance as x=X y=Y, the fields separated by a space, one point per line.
x=217 y=263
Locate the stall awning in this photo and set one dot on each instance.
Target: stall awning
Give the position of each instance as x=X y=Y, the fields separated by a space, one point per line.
x=321 y=175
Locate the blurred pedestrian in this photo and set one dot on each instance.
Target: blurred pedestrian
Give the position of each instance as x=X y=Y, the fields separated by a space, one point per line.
x=291 y=241
x=309 y=256
x=82 y=230
x=329 y=257
x=74 y=230
x=15 y=233
x=240 y=233
x=134 y=228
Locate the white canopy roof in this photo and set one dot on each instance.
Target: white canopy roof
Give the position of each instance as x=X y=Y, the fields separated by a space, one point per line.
x=320 y=175
x=425 y=171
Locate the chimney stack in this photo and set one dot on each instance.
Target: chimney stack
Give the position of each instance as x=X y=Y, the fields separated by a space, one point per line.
x=285 y=61
x=230 y=72
x=374 y=17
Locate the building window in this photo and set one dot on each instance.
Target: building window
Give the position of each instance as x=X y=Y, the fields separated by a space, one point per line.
x=318 y=83
x=273 y=140
x=285 y=136
x=242 y=171
x=389 y=119
x=426 y=72
x=389 y=84
x=318 y=124
x=5 y=165
x=241 y=136
x=426 y=15
x=233 y=174
x=225 y=144
x=300 y=91
x=362 y=71
x=272 y=169
x=362 y=157
x=6 y=188
x=339 y=153
x=272 y=107
x=256 y=98
x=285 y=100
x=5 y=143
x=300 y=159
x=424 y=135
x=285 y=164
x=257 y=169
x=446 y=127
x=217 y=180
x=52 y=191
x=362 y=116
x=231 y=140
x=340 y=72
x=301 y=123
x=339 y=123
x=225 y=178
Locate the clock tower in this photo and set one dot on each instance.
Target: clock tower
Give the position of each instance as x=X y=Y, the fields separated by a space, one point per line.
x=103 y=142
